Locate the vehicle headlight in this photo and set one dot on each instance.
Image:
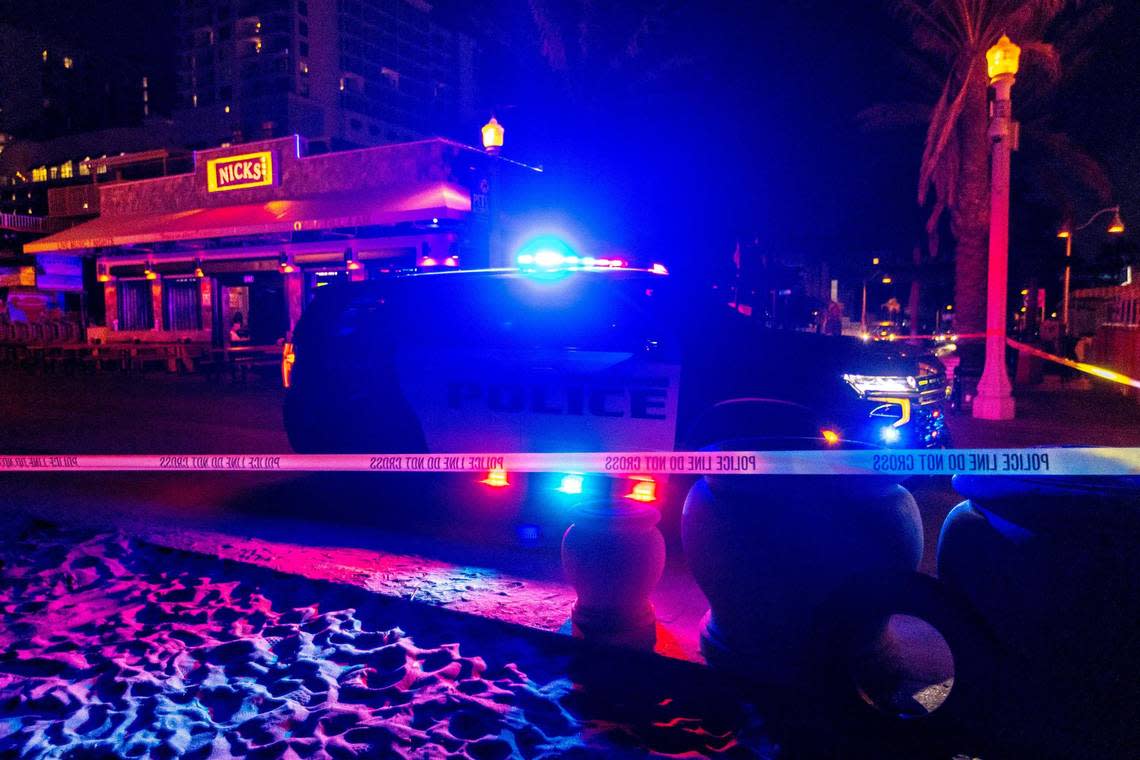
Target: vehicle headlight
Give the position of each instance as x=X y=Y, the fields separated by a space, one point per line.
x=866 y=384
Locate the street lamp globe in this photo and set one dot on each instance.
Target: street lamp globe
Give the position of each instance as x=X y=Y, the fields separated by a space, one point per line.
x=1002 y=58
x=1117 y=225
x=492 y=136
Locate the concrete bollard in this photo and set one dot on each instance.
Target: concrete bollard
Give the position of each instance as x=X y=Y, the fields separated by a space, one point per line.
x=1052 y=565
x=771 y=553
x=614 y=555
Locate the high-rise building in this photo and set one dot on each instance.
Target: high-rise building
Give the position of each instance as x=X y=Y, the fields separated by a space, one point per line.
x=342 y=73
x=51 y=86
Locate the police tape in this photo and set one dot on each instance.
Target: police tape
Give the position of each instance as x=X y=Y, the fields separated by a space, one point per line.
x=1093 y=461
x=1091 y=369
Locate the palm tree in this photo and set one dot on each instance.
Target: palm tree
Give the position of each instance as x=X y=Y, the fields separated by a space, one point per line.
x=950 y=38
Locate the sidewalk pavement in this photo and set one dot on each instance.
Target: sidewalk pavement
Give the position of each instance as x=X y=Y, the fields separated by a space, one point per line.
x=1062 y=415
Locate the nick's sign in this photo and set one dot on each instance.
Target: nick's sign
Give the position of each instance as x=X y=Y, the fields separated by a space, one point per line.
x=238 y=172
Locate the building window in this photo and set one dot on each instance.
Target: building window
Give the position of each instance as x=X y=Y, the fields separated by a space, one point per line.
x=303 y=29
x=302 y=8
x=68 y=62
x=39 y=174
x=181 y=303
x=136 y=312
x=304 y=46
x=67 y=171
x=54 y=172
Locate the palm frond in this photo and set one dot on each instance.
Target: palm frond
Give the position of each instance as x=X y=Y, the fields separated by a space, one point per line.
x=918 y=16
x=1044 y=57
x=943 y=123
x=551 y=45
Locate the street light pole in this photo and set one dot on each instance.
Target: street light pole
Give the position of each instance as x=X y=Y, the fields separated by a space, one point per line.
x=995 y=393
x=1116 y=227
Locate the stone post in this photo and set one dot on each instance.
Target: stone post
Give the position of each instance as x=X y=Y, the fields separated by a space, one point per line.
x=613 y=556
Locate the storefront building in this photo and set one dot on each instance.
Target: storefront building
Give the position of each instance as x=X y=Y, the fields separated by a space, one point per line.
x=255 y=229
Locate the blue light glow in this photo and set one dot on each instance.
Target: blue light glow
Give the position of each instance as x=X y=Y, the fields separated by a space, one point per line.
x=571 y=484
x=890 y=434
x=549 y=259
x=546 y=252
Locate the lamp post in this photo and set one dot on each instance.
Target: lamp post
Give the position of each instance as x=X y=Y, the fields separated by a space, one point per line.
x=492 y=133
x=995 y=393
x=886 y=281
x=1115 y=227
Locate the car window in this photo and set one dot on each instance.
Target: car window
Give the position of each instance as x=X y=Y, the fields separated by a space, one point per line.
x=590 y=312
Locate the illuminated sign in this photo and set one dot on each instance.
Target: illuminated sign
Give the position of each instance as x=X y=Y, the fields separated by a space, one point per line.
x=239 y=172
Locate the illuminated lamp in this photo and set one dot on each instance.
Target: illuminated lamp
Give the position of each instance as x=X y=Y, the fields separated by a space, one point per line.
x=890 y=434
x=1064 y=233
x=1117 y=226
x=643 y=489
x=875 y=261
x=949 y=307
x=428 y=261
x=571 y=484
x=102 y=275
x=1002 y=59
x=149 y=273
x=830 y=436
x=285 y=265
x=451 y=261
x=658 y=269
x=887 y=280
x=496 y=478
x=493 y=136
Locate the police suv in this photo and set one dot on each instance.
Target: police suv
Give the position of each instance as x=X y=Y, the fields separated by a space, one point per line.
x=596 y=356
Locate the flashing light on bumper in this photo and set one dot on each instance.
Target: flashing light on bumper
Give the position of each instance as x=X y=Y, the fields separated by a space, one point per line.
x=571 y=484
x=496 y=478
x=889 y=434
x=643 y=490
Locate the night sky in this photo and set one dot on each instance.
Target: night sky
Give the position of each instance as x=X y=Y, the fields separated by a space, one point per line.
x=736 y=119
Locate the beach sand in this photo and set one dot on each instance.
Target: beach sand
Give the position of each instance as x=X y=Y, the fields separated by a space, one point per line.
x=113 y=647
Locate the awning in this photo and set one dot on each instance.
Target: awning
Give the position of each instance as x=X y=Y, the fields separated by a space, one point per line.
x=323 y=212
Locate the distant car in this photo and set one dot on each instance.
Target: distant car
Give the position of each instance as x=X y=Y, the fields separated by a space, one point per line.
x=583 y=359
